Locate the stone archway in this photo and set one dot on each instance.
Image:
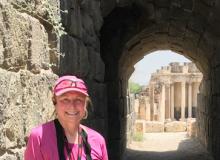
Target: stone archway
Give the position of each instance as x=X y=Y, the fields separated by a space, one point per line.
x=135 y=29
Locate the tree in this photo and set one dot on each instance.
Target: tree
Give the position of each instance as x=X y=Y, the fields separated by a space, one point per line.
x=134 y=87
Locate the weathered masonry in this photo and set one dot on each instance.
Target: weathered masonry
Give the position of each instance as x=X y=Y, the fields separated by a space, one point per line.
x=169 y=101
x=103 y=40
x=133 y=29
x=172 y=92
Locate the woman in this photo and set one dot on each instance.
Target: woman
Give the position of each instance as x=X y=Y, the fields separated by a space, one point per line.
x=65 y=138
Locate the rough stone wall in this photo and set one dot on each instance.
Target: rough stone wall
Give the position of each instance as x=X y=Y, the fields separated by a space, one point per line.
x=26 y=78
x=30 y=61
x=25 y=102
x=81 y=47
x=204 y=116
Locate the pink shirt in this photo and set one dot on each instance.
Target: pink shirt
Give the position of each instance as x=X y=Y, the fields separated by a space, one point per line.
x=42 y=144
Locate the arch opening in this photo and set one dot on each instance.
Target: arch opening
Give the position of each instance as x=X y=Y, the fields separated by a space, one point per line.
x=156 y=109
x=128 y=34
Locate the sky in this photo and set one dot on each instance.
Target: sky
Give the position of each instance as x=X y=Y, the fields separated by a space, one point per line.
x=151 y=62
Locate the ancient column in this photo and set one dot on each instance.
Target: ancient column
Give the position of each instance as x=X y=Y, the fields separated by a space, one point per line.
x=162 y=104
x=147 y=105
x=167 y=106
x=155 y=114
x=152 y=103
x=172 y=100
x=190 y=100
x=183 y=100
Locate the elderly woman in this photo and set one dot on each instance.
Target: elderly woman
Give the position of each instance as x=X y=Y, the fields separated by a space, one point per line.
x=65 y=138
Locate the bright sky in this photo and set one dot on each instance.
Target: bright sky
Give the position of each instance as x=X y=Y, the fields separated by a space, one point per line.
x=151 y=62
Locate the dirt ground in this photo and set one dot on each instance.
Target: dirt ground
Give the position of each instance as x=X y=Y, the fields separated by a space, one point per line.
x=166 y=146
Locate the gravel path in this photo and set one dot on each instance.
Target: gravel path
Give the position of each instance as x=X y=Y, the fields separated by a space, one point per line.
x=166 y=146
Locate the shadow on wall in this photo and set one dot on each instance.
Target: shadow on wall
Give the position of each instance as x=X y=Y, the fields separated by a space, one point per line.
x=189 y=149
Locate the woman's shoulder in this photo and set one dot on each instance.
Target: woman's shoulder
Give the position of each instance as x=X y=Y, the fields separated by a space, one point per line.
x=92 y=134
x=42 y=129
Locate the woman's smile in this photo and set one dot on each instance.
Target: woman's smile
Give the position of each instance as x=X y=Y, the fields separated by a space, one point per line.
x=72 y=114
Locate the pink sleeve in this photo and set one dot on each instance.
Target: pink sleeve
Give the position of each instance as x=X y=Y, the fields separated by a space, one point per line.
x=33 y=151
x=104 y=151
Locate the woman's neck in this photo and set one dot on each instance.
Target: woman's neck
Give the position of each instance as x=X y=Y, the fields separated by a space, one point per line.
x=71 y=131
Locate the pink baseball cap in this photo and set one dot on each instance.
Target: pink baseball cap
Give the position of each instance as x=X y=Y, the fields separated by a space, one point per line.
x=69 y=83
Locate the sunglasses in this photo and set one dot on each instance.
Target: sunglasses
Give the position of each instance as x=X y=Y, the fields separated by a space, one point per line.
x=69 y=84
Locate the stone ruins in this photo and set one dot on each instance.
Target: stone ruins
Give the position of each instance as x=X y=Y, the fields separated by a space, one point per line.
x=171 y=95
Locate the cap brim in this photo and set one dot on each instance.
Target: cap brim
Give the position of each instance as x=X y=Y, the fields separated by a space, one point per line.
x=59 y=93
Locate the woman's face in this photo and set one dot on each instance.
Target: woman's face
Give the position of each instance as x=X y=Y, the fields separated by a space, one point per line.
x=70 y=107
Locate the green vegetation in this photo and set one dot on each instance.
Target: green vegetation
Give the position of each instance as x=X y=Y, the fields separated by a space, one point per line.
x=44 y=11
x=138 y=136
x=134 y=87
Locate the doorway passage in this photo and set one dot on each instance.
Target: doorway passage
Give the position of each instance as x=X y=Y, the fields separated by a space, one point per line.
x=166 y=145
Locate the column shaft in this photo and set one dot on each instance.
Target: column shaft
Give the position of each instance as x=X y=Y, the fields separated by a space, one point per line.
x=190 y=101
x=172 y=100
x=168 y=109
x=152 y=104
x=183 y=100
x=162 y=106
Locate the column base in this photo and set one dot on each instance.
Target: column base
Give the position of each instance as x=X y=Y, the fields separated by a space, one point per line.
x=190 y=119
x=183 y=119
x=168 y=120
x=173 y=119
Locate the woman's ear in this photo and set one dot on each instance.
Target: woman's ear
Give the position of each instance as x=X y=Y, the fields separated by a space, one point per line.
x=54 y=100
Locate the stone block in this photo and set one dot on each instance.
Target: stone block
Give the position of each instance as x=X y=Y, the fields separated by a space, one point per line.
x=162 y=3
x=151 y=12
x=113 y=89
x=215 y=110
x=214 y=22
x=192 y=127
x=114 y=149
x=123 y=128
x=15 y=39
x=201 y=102
x=190 y=46
x=75 y=59
x=176 y=31
x=197 y=24
x=187 y=5
x=8 y=157
x=26 y=102
x=115 y=125
x=97 y=92
x=107 y=6
x=38 y=47
x=153 y=126
x=139 y=127
x=88 y=33
x=206 y=44
x=202 y=9
x=99 y=124
x=72 y=21
x=97 y=69
x=216 y=82
x=210 y=3
x=216 y=57
x=122 y=3
x=96 y=15
x=1 y=43
x=40 y=9
x=25 y=42
x=121 y=107
x=175 y=126
x=179 y=13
